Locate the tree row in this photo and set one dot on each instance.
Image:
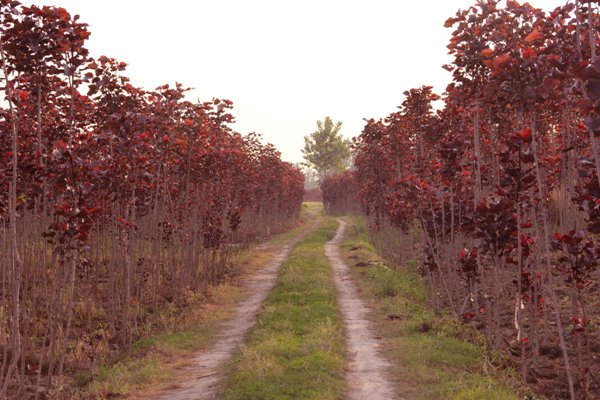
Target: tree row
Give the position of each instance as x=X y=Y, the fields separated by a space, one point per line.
x=115 y=203
x=497 y=192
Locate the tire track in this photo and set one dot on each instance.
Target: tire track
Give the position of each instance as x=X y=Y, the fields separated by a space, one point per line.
x=366 y=368
x=206 y=373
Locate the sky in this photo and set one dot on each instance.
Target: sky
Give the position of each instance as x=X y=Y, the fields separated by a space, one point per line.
x=285 y=64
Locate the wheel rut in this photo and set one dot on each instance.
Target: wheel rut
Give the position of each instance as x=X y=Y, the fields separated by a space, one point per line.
x=367 y=370
x=206 y=369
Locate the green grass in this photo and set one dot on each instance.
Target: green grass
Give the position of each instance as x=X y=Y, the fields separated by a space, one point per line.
x=296 y=350
x=308 y=213
x=433 y=356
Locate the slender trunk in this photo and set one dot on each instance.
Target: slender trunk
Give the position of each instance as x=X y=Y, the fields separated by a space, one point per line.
x=578 y=28
x=550 y=284
x=477 y=145
x=519 y=300
x=14 y=259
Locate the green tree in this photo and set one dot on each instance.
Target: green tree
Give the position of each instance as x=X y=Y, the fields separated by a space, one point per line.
x=325 y=150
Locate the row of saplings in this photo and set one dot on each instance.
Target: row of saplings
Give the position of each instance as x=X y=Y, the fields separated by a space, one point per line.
x=498 y=192
x=119 y=206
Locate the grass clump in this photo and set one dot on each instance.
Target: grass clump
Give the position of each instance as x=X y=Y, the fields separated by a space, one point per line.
x=433 y=356
x=296 y=350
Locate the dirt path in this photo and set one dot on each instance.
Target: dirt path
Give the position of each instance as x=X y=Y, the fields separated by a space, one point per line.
x=367 y=369
x=206 y=371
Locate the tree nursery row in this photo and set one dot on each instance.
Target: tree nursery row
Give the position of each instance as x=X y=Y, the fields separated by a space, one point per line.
x=115 y=201
x=497 y=192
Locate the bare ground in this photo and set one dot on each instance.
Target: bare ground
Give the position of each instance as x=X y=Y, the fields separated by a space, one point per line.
x=367 y=369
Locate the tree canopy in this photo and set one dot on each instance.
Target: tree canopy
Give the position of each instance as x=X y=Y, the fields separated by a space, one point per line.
x=325 y=150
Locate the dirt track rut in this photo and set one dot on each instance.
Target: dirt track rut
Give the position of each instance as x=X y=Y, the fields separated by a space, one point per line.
x=206 y=368
x=366 y=368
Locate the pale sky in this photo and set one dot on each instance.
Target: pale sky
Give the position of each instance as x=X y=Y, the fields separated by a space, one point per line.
x=285 y=64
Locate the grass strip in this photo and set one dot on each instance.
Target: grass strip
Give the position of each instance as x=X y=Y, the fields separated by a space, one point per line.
x=433 y=356
x=296 y=351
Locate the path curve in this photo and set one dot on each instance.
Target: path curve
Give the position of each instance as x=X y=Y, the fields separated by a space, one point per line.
x=367 y=369
x=206 y=368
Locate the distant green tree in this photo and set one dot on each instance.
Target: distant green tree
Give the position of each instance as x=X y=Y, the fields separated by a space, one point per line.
x=325 y=150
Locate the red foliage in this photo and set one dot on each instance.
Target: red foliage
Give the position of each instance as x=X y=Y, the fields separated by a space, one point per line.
x=486 y=172
x=340 y=193
x=99 y=160
x=313 y=195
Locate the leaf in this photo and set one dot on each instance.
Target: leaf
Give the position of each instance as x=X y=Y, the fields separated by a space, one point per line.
x=83 y=232
x=449 y=22
x=487 y=53
x=63 y=13
x=93 y=211
x=533 y=36
x=558 y=236
x=524 y=239
x=529 y=53
x=583 y=71
x=145 y=136
x=60 y=145
x=502 y=61
x=84 y=34
x=525 y=135
x=126 y=222
x=23 y=95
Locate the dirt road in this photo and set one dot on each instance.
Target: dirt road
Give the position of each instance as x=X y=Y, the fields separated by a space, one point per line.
x=366 y=368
